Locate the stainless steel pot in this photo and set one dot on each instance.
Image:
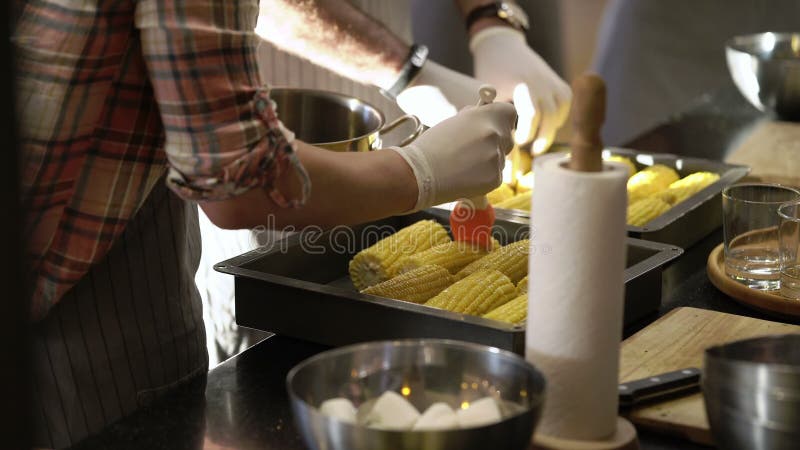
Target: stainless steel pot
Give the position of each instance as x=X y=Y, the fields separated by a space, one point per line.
x=752 y=393
x=335 y=121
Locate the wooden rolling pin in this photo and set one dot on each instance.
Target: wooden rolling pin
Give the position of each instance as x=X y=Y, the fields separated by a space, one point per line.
x=588 y=115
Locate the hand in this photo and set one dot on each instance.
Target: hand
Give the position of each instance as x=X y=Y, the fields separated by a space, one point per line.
x=438 y=93
x=502 y=58
x=463 y=156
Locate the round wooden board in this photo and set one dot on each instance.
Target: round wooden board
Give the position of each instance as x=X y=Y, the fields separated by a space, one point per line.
x=760 y=300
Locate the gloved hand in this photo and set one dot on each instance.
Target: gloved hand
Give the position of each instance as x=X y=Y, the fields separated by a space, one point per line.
x=437 y=93
x=462 y=156
x=503 y=59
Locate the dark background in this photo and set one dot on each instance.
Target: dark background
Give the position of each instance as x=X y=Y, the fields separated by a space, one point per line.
x=14 y=379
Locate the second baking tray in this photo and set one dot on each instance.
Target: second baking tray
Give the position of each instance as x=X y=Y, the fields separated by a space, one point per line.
x=301 y=288
x=686 y=223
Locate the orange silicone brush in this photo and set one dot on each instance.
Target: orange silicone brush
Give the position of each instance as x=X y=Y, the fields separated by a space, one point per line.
x=472 y=220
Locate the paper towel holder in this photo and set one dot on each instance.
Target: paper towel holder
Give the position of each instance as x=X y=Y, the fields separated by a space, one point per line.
x=588 y=115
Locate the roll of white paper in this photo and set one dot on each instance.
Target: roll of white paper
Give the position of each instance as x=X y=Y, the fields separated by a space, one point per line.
x=576 y=295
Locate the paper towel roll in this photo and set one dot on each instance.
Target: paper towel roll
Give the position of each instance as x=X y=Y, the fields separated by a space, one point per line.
x=576 y=295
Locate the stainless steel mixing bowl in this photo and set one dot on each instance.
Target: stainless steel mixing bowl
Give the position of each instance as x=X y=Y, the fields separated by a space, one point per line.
x=335 y=121
x=752 y=393
x=426 y=371
x=766 y=69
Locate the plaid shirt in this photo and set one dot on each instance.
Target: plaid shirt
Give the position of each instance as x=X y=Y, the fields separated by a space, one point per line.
x=111 y=95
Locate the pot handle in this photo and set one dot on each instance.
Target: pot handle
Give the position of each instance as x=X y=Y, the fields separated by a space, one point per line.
x=405 y=118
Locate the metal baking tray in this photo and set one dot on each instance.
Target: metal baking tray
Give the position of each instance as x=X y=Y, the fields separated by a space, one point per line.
x=686 y=223
x=301 y=288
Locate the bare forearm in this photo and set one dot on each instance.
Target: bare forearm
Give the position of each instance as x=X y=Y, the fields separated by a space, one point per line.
x=347 y=188
x=336 y=35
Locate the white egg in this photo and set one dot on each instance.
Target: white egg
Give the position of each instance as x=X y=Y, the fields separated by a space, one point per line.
x=392 y=412
x=339 y=408
x=438 y=416
x=479 y=413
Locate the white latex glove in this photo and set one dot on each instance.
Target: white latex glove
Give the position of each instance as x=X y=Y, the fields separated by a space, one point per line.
x=463 y=156
x=503 y=59
x=437 y=93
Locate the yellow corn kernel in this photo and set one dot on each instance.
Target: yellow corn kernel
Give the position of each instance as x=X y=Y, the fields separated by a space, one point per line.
x=621 y=159
x=521 y=163
x=511 y=260
x=513 y=312
x=418 y=285
x=650 y=181
x=687 y=186
x=503 y=192
x=380 y=261
x=519 y=201
x=525 y=183
x=522 y=286
x=453 y=256
x=642 y=211
x=476 y=294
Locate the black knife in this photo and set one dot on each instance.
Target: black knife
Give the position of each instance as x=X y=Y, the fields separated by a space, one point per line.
x=664 y=385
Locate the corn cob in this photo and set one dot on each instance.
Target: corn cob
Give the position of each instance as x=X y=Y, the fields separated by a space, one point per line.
x=476 y=294
x=417 y=286
x=689 y=185
x=621 y=159
x=522 y=286
x=503 y=192
x=642 y=211
x=513 y=312
x=519 y=201
x=511 y=260
x=650 y=181
x=380 y=261
x=453 y=256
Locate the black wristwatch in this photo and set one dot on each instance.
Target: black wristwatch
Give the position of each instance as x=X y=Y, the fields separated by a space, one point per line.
x=417 y=56
x=507 y=11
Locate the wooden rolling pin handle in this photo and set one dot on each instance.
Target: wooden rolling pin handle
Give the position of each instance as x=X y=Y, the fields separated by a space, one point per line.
x=588 y=115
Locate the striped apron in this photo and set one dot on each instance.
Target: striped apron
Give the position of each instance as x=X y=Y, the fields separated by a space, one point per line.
x=130 y=330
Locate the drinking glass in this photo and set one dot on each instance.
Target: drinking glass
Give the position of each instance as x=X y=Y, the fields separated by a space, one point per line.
x=750 y=226
x=789 y=244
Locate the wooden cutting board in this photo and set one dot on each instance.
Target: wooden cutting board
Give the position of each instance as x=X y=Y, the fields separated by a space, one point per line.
x=772 y=150
x=677 y=341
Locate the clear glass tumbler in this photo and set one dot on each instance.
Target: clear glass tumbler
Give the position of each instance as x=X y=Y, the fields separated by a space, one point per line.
x=789 y=248
x=750 y=226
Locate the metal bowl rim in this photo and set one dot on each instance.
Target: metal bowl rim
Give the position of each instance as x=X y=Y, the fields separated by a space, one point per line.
x=710 y=355
x=337 y=95
x=463 y=345
x=739 y=44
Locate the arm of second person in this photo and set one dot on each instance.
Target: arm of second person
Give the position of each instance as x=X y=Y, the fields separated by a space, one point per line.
x=336 y=35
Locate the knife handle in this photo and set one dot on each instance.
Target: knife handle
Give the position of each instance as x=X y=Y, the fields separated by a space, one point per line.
x=634 y=392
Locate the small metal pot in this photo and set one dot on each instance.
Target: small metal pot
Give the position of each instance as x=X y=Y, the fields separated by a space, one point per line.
x=336 y=122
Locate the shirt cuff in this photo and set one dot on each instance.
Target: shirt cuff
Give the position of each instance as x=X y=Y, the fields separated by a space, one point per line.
x=260 y=167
